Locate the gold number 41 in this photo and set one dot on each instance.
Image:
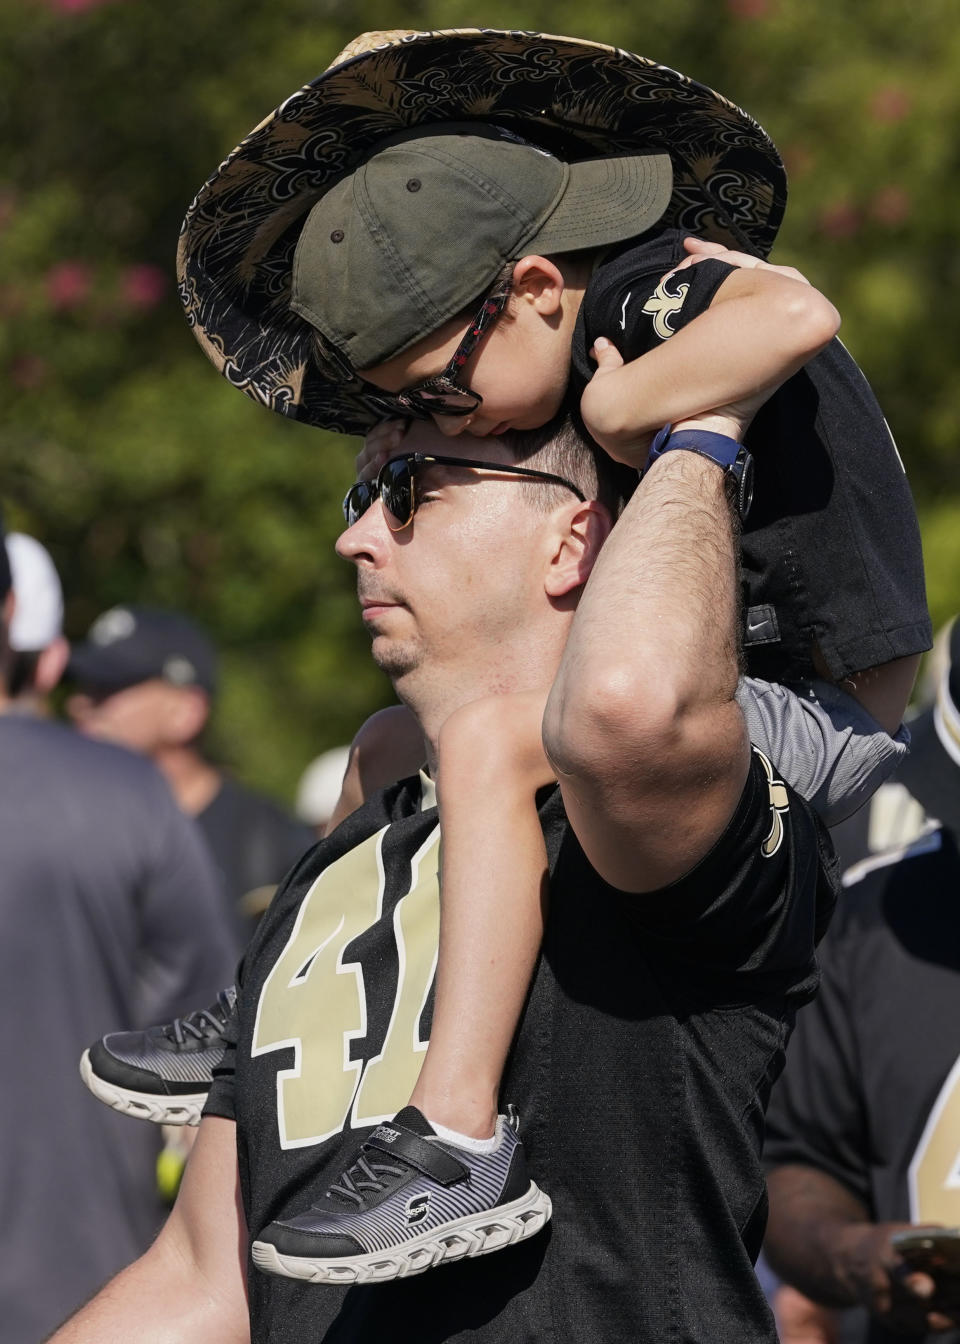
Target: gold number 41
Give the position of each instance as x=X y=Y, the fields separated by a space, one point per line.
x=315 y=1002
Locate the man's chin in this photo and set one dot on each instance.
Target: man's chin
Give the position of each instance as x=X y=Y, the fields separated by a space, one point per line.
x=396 y=660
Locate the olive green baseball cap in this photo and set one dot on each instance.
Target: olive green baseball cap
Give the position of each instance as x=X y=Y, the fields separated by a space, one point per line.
x=421 y=229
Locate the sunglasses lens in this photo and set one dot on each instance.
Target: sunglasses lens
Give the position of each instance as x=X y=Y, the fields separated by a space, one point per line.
x=358 y=499
x=449 y=401
x=396 y=481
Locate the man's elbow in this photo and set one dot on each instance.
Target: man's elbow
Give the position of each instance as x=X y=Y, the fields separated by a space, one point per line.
x=615 y=727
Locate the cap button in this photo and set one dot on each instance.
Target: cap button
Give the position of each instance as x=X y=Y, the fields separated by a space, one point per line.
x=337 y=236
x=414 y=184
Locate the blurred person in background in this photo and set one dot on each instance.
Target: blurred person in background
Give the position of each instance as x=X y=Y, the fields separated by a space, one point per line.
x=864 y=1125
x=924 y=790
x=38 y=650
x=146 y=679
x=111 y=912
x=318 y=789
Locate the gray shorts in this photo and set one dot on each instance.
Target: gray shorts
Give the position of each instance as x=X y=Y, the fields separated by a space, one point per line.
x=821 y=740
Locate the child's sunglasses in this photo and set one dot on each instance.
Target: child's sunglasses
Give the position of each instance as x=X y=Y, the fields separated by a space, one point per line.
x=395 y=486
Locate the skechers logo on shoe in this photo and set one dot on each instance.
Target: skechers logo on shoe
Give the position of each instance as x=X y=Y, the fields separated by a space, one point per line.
x=418 y=1208
x=386 y=1134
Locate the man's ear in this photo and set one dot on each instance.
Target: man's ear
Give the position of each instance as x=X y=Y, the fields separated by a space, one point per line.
x=537 y=281
x=577 y=542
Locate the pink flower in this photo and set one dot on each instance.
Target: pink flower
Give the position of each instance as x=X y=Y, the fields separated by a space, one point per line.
x=749 y=9
x=797 y=159
x=890 y=104
x=840 y=221
x=891 y=206
x=8 y=207
x=28 y=371
x=68 y=284
x=75 y=6
x=143 y=286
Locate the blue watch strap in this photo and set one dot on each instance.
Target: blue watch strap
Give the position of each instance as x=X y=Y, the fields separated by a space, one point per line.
x=727 y=453
x=718 y=447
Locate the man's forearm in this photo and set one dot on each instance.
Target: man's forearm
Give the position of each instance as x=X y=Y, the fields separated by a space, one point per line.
x=189 y=1288
x=642 y=713
x=813 y=1221
x=151 y=1303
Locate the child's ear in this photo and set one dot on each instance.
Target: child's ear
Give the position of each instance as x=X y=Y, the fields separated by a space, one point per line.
x=537 y=281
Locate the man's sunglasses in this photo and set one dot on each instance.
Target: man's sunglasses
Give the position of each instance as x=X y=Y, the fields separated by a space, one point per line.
x=442 y=395
x=395 y=486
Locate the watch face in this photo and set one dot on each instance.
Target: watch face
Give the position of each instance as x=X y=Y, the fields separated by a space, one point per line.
x=745 y=460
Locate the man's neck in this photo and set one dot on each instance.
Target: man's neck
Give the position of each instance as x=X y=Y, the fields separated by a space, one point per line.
x=193 y=781
x=435 y=701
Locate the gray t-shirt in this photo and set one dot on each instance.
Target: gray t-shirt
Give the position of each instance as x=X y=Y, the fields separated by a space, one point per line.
x=111 y=918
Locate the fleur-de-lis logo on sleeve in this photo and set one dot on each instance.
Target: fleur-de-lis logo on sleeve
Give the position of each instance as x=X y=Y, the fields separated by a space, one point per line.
x=779 y=806
x=662 y=305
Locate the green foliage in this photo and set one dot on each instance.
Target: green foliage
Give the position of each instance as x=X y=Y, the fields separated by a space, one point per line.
x=152 y=480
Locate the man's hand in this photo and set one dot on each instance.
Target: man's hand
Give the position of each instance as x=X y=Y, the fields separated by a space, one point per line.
x=800 y=1321
x=899 y=1297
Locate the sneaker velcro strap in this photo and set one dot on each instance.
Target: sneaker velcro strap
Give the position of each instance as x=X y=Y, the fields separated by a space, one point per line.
x=429 y=1158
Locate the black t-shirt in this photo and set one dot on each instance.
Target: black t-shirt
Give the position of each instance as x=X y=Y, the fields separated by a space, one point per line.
x=654 y=1029
x=831 y=548
x=871 y=1090
x=254 y=843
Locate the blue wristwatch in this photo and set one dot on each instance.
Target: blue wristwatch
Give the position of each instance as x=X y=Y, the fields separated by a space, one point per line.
x=736 y=462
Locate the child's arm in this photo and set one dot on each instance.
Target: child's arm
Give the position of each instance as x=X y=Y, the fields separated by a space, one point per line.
x=493 y=884
x=765 y=323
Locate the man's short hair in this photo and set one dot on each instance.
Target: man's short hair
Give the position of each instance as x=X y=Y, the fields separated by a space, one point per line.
x=561 y=448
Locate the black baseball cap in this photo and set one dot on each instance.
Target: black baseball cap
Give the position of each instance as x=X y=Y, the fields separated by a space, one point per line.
x=407 y=240
x=128 y=645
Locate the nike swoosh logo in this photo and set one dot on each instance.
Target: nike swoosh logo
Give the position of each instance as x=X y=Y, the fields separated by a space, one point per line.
x=623 y=312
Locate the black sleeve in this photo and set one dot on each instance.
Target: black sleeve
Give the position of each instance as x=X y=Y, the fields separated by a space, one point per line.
x=752 y=911
x=817 y=1115
x=630 y=302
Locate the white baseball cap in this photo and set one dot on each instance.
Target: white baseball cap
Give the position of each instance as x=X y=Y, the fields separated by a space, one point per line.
x=320 y=786
x=38 y=613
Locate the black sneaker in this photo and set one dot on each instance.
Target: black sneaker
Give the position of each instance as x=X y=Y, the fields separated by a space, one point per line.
x=408 y=1202
x=162 y=1074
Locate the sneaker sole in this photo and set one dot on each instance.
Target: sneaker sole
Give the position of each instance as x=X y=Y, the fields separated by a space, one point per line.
x=476 y=1234
x=159 y=1110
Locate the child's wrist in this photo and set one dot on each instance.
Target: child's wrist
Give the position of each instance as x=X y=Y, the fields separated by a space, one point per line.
x=715 y=422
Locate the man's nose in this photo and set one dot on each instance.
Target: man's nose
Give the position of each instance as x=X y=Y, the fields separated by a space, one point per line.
x=364 y=539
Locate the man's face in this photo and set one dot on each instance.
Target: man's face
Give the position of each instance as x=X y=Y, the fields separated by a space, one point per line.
x=138 y=717
x=451 y=594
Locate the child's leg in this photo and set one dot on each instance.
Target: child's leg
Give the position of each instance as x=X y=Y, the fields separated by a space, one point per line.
x=493 y=889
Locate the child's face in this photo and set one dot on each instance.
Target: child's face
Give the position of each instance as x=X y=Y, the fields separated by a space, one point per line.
x=520 y=367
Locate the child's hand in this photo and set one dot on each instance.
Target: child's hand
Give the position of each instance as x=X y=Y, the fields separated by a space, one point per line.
x=596 y=405
x=381 y=443
x=700 y=250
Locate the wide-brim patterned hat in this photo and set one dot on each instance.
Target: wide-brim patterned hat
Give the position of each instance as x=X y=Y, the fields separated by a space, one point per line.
x=575 y=98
